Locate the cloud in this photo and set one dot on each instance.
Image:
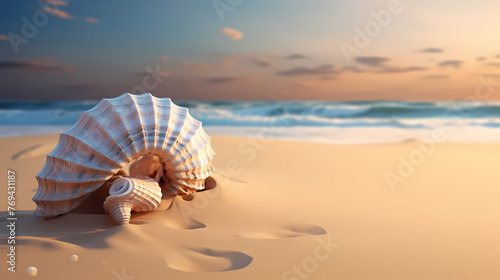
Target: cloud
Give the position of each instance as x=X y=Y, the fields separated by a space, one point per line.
x=320 y=70
x=232 y=33
x=372 y=61
x=164 y=58
x=32 y=65
x=192 y=65
x=297 y=56
x=56 y=12
x=306 y=85
x=393 y=69
x=480 y=58
x=146 y=73
x=435 y=77
x=56 y=2
x=494 y=64
x=329 y=78
x=497 y=56
x=261 y=63
x=354 y=69
x=3 y=37
x=225 y=80
x=229 y=60
x=452 y=63
x=91 y=20
x=431 y=50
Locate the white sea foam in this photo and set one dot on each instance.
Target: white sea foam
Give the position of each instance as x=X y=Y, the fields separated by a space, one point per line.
x=347 y=135
x=320 y=121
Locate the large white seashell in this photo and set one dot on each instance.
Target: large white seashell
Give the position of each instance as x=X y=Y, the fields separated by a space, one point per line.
x=115 y=132
x=128 y=194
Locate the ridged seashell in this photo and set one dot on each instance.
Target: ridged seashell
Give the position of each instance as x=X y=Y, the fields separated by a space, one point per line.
x=129 y=194
x=115 y=132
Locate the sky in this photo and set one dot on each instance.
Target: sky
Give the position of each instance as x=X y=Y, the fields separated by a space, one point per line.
x=250 y=49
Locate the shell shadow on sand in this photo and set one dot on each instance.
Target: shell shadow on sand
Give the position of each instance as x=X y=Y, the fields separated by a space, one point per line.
x=68 y=228
x=147 y=230
x=34 y=151
x=94 y=230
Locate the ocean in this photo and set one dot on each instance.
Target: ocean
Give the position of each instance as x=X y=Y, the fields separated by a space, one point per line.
x=318 y=121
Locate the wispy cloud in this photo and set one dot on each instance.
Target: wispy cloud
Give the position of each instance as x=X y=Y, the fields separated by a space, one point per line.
x=225 y=80
x=52 y=7
x=480 y=58
x=394 y=69
x=450 y=63
x=164 y=58
x=372 y=61
x=297 y=56
x=91 y=20
x=306 y=85
x=145 y=73
x=320 y=70
x=354 y=69
x=261 y=63
x=329 y=78
x=56 y=2
x=494 y=64
x=193 y=65
x=34 y=65
x=232 y=33
x=431 y=50
x=229 y=60
x=3 y=37
x=56 y=12
x=435 y=77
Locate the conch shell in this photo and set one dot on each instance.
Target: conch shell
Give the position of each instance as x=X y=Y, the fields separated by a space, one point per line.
x=115 y=132
x=128 y=194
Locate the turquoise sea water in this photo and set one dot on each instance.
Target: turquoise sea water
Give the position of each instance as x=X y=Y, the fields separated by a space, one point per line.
x=37 y=117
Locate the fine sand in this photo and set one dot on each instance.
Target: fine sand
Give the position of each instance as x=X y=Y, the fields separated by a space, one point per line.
x=281 y=210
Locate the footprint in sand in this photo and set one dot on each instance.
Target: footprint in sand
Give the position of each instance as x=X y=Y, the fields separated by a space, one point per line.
x=208 y=260
x=285 y=232
x=34 y=151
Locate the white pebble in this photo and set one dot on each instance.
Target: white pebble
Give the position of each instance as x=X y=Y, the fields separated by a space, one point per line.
x=32 y=271
x=74 y=258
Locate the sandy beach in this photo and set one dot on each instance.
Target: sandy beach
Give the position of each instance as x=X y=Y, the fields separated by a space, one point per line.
x=250 y=140
x=281 y=210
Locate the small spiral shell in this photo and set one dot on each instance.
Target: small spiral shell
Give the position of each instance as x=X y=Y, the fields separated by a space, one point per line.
x=128 y=194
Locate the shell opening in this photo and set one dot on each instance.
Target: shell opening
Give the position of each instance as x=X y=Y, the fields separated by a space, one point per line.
x=146 y=165
x=121 y=186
